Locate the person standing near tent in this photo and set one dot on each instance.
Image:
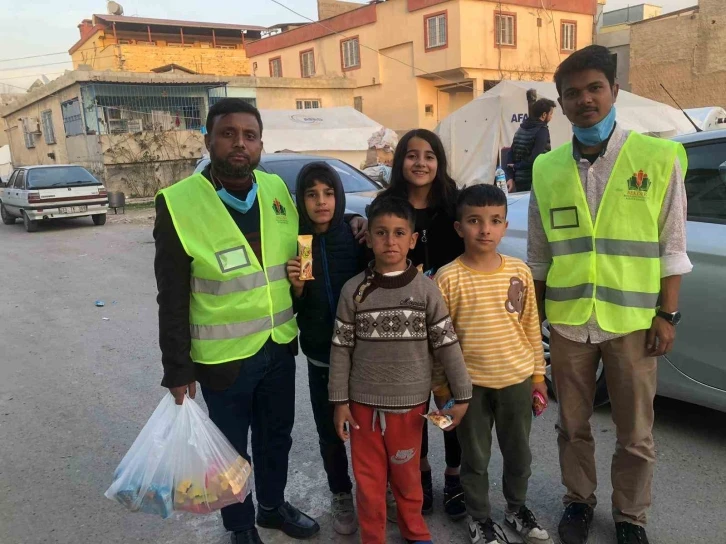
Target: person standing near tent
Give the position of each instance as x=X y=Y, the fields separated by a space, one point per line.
x=607 y=248
x=530 y=141
x=419 y=175
x=223 y=238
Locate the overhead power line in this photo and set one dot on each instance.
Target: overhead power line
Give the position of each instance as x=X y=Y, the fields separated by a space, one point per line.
x=36 y=56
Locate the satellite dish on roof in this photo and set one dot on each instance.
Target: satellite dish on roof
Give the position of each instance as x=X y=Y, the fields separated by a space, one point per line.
x=114 y=8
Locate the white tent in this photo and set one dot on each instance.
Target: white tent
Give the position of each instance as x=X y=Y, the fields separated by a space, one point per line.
x=474 y=135
x=341 y=133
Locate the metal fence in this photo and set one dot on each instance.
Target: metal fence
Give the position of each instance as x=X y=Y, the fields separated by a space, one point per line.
x=111 y=108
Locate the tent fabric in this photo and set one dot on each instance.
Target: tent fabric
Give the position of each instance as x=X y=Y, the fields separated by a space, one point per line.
x=322 y=129
x=474 y=134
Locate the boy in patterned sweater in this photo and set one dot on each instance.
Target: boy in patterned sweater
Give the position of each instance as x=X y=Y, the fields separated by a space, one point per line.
x=493 y=307
x=393 y=343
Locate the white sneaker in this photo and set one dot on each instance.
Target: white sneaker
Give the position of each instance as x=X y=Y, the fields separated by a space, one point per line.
x=482 y=532
x=525 y=525
x=345 y=522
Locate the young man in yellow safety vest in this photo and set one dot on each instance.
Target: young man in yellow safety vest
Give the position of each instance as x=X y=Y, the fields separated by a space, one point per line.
x=223 y=238
x=607 y=248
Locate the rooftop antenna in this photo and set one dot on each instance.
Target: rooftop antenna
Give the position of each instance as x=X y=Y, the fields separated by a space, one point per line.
x=698 y=129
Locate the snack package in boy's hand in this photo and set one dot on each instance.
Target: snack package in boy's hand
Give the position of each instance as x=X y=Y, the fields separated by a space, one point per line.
x=539 y=403
x=305 y=251
x=180 y=461
x=442 y=422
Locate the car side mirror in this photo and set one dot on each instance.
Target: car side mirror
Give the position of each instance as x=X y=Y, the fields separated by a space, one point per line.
x=3 y=184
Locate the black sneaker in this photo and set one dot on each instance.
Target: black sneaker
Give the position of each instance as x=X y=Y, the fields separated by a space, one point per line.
x=250 y=536
x=485 y=532
x=630 y=534
x=454 y=504
x=575 y=523
x=428 y=492
x=289 y=520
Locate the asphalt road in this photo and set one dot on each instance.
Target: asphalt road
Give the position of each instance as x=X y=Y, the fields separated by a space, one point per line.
x=76 y=389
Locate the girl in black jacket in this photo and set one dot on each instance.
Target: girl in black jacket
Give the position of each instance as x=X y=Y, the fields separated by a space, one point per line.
x=419 y=174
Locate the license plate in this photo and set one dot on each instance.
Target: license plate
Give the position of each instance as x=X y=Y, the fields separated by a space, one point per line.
x=73 y=209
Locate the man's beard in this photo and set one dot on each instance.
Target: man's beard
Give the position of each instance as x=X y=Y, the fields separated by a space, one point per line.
x=224 y=168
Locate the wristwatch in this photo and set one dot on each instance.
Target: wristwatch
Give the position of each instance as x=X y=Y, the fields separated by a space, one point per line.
x=672 y=318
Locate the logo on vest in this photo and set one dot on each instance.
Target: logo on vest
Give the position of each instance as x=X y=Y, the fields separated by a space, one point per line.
x=280 y=211
x=638 y=185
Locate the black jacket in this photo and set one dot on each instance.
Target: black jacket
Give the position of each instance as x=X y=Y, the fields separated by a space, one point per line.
x=530 y=141
x=438 y=242
x=337 y=257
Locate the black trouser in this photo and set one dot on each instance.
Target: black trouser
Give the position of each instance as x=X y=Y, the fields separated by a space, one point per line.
x=332 y=448
x=262 y=397
x=452 y=449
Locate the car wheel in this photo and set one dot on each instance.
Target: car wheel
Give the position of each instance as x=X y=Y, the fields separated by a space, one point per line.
x=6 y=217
x=30 y=226
x=99 y=219
x=601 y=388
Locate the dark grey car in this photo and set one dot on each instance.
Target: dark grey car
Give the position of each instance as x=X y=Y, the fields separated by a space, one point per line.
x=359 y=189
x=695 y=370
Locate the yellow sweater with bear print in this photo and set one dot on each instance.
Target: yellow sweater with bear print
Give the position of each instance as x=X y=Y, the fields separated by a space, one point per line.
x=495 y=316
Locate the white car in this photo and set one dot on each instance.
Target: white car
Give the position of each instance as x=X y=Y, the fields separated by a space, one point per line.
x=37 y=193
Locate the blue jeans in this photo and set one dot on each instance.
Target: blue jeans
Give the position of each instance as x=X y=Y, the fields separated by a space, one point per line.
x=262 y=397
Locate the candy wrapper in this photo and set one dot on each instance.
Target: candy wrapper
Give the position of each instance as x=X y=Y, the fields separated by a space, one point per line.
x=180 y=461
x=442 y=422
x=305 y=251
x=539 y=403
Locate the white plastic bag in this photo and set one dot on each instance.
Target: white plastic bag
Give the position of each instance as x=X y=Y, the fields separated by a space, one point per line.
x=180 y=461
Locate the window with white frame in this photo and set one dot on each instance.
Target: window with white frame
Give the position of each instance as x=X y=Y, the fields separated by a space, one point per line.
x=46 y=118
x=350 y=51
x=569 y=36
x=436 y=31
x=307 y=104
x=307 y=63
x=276 y=67
x=506 y=29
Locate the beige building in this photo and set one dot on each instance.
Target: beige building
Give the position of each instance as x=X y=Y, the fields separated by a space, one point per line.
x=136 y=44
x=138 y=132
x=415 y=61
x=685 y=51
x=614 y=33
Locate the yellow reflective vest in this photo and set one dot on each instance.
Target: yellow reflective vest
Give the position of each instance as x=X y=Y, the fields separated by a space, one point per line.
x=236 y=305
x=613 y=265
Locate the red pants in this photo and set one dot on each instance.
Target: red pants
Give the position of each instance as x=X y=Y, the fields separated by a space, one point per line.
x=379 y=456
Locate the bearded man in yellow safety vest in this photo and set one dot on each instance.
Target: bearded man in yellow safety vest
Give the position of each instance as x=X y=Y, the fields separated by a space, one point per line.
x=607 y=248
x=223 y=238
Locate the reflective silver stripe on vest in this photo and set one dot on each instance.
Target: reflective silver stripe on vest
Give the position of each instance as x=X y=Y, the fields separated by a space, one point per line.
x=240 y=330
x=627 y=248
x=629 y=299
x=240 y=283
x=570 y=247
x=562 y=294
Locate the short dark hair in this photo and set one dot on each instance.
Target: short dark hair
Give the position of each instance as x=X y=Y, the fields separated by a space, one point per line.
x=391 y=205
x=480 y=196
x=542 y=106
x=231 y=105
x=313 y=174
x=592 y=57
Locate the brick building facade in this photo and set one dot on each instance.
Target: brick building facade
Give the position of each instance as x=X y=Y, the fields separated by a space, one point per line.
x=685 y=51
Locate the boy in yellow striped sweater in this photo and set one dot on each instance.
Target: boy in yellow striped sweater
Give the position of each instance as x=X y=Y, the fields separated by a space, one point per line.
x=492 y=304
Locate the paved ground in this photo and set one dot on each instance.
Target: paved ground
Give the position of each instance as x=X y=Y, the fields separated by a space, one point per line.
x=76 y=389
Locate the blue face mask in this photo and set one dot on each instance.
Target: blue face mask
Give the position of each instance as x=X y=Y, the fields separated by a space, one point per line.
x=598 y=133
x=242 y=206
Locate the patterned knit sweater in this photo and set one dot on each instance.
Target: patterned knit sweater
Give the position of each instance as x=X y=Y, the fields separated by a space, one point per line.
x=393 y=342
